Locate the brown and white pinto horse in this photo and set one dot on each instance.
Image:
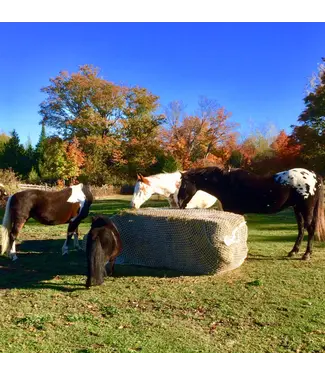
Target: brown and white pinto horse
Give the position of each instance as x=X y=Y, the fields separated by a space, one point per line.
x=70 y=205
x=243 y=192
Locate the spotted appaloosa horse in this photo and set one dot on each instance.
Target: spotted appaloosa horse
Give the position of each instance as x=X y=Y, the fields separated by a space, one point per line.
x=243 y=192
x=70 y=205
x=103 y=245
x=167 y=184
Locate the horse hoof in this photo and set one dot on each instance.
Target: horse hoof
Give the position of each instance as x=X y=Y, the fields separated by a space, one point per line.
x=292 y=253
x=306 y=257
x=14 y=258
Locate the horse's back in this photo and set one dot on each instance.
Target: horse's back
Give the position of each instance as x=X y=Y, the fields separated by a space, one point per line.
x=47 y=207
x=201 y=199
x=104 y=229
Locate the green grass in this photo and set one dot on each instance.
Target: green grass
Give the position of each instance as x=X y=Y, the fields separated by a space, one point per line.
x=269 y=304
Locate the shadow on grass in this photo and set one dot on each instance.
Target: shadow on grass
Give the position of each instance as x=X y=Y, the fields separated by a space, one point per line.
x=40 y=265
x=253 y=257
x=274 y=238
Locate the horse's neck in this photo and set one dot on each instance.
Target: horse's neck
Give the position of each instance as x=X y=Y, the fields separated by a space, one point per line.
x=166 y=182
x=218 y=189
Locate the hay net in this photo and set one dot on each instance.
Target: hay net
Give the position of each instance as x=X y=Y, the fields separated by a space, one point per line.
x=193 y=241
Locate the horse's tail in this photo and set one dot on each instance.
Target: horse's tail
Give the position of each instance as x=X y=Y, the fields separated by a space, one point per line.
x=320 y=217
x=6 y=228
x=95 y=261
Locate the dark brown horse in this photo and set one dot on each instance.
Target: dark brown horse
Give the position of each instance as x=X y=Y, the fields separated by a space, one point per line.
x=103 y=245
x=242 y=192
x=70 y=205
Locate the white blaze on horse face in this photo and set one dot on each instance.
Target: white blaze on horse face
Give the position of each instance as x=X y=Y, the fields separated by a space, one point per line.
x=142 y=192
x=302 y=180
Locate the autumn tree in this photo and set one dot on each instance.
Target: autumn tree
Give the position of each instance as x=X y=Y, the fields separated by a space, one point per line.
x=139 y=131
x=200 y=139
x=84 y=104
x=75 y=159
x=285 y=155
x=310 y=135
x=248 y=152
x=285 y=147
x=314 y=113
x=103 y=160
x=312 y=146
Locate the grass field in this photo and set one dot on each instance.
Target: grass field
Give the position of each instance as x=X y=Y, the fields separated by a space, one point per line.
x=269 y=304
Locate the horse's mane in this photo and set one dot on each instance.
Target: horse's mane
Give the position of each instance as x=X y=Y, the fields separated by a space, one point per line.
x=205 y=171
x=239 y=172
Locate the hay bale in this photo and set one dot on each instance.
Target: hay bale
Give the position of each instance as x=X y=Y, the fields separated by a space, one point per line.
x=196 y=241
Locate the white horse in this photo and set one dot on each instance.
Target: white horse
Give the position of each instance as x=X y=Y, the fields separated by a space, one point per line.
x=167 y=184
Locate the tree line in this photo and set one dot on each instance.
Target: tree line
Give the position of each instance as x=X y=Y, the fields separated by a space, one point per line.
x=99 y=132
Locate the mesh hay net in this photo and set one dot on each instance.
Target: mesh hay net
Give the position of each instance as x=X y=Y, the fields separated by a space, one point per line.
x=197 y=241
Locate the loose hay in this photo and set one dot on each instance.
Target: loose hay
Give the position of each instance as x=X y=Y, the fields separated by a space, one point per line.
x=190 y=241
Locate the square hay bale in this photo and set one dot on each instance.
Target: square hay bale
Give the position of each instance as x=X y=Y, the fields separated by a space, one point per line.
x=197 y=241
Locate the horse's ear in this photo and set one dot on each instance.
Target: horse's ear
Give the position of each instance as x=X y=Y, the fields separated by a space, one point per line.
x=143 y=179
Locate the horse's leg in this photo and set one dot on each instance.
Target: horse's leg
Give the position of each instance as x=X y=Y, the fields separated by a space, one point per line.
x=310 y=225
x=16 y=228
x=311 y=235
x=65 y=247
x=111 y=267
x=301 y=230
x=73 y=228
x=76 y=239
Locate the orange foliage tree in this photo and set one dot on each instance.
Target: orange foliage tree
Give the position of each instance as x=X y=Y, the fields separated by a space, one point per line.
x=203 y=139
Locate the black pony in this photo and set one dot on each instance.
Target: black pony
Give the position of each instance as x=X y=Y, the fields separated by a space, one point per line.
x=103 y=245
x=241 y=192
x=70 y=205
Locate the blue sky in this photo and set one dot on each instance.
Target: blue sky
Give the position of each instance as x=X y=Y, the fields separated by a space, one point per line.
x=257 y=71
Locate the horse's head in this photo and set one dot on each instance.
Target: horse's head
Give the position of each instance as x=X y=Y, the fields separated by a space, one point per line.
x=142 y=191
x=187 y=190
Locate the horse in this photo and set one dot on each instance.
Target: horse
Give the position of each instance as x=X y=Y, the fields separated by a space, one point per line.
x=103 y=245
x=242 y=192
x=70 y=205
x=166 y=184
